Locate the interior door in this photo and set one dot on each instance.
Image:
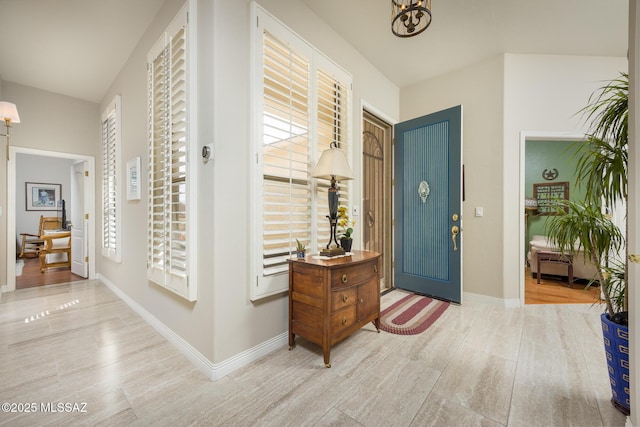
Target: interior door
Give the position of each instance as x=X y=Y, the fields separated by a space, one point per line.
x=79 y=264
x=428 y=201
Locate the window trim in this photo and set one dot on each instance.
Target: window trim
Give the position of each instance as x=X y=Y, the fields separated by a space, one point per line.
x=264 y=286
x=185 y=287
x=113 y=253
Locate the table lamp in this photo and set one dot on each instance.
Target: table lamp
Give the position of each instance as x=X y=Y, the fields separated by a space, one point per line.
x=333 y=165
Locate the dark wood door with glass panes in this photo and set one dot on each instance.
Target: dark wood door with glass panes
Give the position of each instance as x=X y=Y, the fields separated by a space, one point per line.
x=376 y=196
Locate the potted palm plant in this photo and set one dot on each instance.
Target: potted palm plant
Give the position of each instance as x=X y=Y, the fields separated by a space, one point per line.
x=602 y=169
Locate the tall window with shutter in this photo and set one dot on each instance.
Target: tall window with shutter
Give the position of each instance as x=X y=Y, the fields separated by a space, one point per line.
x=333 y=125
x=287 y=189
x=111 y=212
x=171 y=205
x=302 y=104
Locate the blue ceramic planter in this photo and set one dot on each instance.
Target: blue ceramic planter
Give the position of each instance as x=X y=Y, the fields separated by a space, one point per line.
x=616 y=347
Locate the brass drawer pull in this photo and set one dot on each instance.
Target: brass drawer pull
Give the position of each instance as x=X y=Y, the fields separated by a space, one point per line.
x=344 y=298
x=344 y=278
x=344 y=320
x=375 y=268
x=361 y=301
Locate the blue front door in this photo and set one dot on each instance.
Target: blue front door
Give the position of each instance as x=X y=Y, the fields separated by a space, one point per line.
x=427 y=206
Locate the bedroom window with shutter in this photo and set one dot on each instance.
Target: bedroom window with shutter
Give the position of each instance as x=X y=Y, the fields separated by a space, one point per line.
x=111 y=180
x=302 y=104
x=171 y=93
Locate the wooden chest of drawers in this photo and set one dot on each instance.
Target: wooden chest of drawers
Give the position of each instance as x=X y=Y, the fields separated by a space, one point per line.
x=331 y=299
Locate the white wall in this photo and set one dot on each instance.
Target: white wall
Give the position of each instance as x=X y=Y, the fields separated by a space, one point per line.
x=53 y=122
x=193 y=322
x=543 y=93
x=43 y=170
x=479 y=89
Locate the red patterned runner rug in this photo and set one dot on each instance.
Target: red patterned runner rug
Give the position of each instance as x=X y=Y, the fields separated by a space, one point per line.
x=411 y=315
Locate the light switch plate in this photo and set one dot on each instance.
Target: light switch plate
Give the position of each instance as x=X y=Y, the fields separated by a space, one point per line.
x=479 y=211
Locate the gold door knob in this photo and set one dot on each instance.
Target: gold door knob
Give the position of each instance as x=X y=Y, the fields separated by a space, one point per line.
x=344 y=298
x=344 y=278
x=454 y=233
x=361 y=301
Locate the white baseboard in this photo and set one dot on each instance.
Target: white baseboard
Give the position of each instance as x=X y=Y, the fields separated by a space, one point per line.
x=213 y=371
x=226 y=367
x=484 y=299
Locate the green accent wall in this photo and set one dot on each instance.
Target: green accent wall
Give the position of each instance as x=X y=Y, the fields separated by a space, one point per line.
x=541 y=155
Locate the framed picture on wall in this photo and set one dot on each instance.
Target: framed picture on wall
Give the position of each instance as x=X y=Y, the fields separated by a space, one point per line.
x=548 y=195
x=133 y=179
x=42 y=197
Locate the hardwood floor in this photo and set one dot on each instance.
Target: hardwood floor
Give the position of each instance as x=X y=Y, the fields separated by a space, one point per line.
x=552 y=290
x=479 y=364
x=32 y=277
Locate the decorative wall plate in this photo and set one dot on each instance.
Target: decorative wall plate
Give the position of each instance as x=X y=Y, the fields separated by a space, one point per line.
x=423 y=191
x=550 y=175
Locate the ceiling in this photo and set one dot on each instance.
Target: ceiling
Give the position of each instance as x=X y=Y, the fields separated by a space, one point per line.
x=77 y=47
x=72 y=47
x=464 y=32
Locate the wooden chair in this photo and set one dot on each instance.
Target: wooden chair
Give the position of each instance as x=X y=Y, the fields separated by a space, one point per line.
x=32 y=243
x=55 y=243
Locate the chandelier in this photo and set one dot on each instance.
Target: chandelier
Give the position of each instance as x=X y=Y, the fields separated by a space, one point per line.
x=410 y=17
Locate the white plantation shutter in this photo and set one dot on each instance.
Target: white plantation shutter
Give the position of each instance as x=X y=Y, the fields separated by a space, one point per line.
x=110 y=180
x=286 y=156
x=170 y=206
x=299 y=111
x=333 y=125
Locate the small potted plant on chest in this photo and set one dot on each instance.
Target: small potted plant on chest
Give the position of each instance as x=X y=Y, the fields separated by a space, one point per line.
x=300 y=249
x=346 y=229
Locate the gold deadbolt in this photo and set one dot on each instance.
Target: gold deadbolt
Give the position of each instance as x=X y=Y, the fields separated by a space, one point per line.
x=455 y=217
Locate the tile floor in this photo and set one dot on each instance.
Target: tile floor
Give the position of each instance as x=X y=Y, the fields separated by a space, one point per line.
x=478 y=365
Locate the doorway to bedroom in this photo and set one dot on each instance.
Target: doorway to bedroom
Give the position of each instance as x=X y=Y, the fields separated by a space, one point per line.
x=47 y=203
x=550 y=278
x=55 y=177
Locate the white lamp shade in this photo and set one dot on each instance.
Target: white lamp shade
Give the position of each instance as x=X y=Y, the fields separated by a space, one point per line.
x=9 y=111
x=333 y=163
